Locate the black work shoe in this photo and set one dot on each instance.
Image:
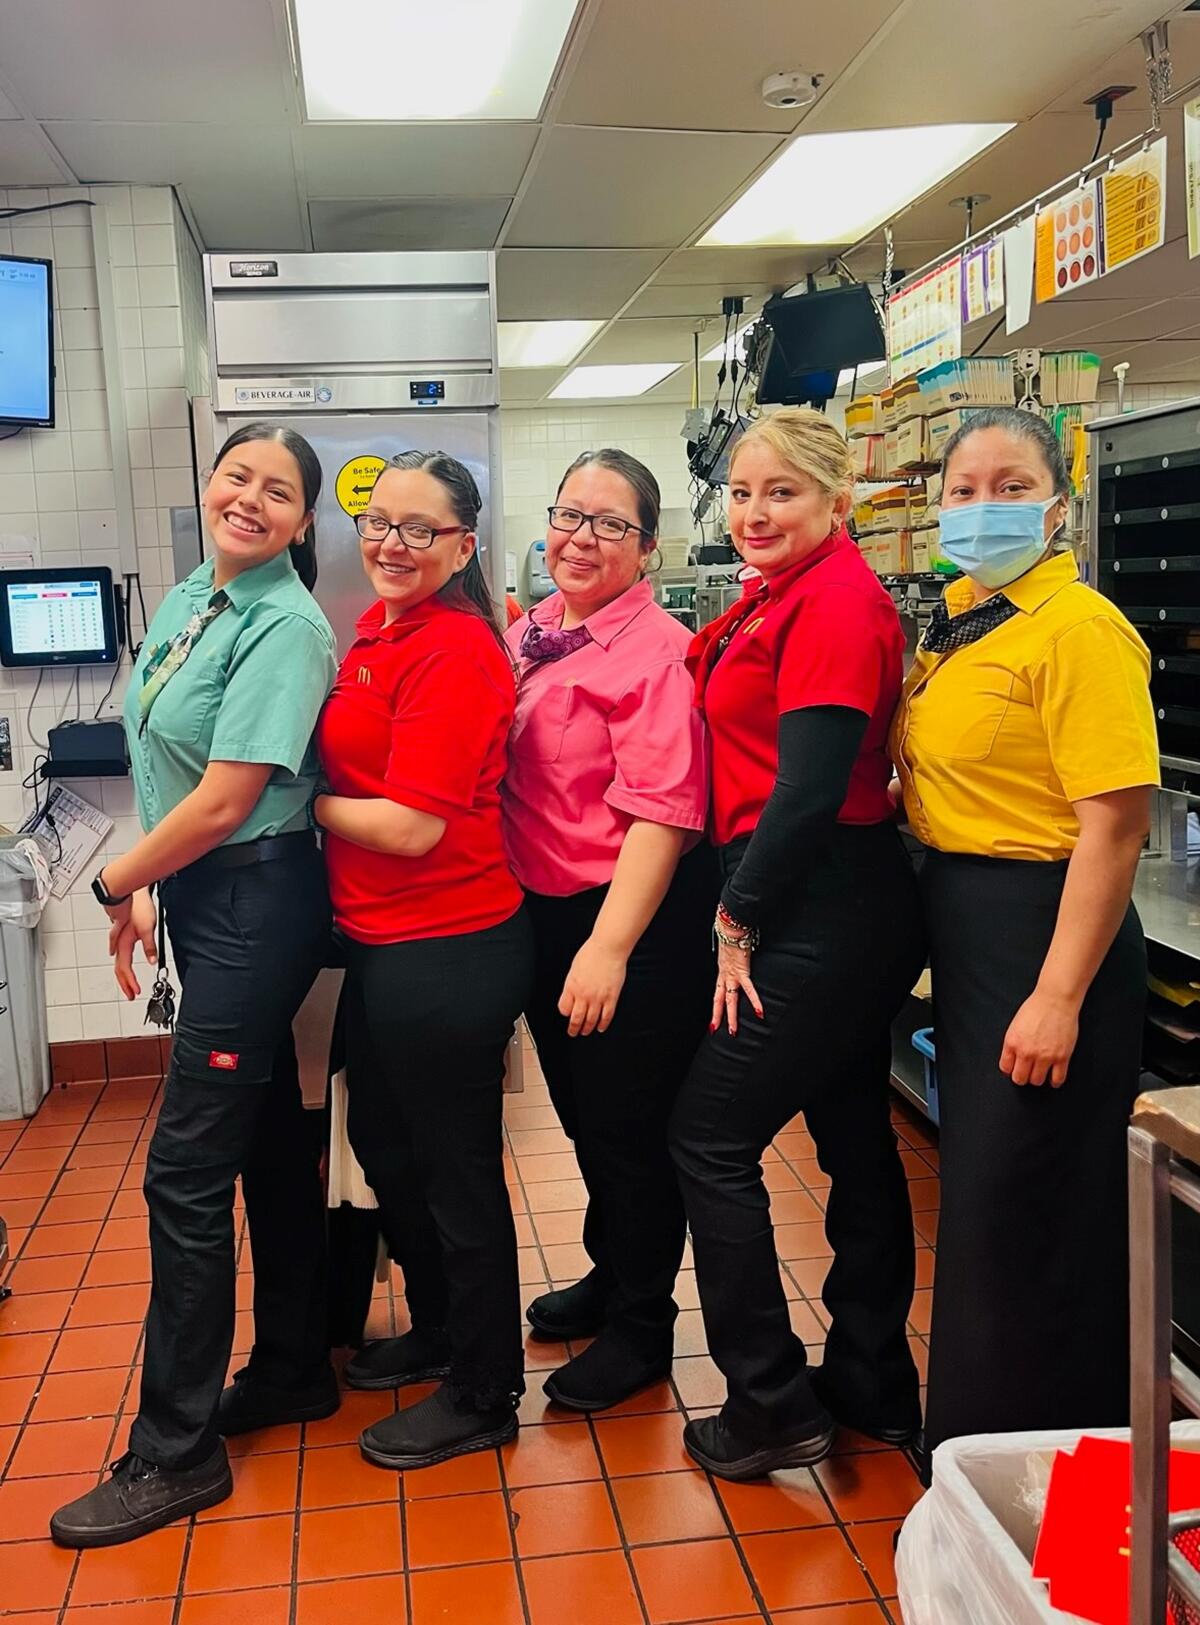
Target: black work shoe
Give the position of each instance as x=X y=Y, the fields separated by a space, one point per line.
x=719 y=1451
x=607 y=1372
x=249 y=1403
x=573 y=1311
x=391 y=1362
x=887 y=1430
x=433 y=1430
x=138 y=1498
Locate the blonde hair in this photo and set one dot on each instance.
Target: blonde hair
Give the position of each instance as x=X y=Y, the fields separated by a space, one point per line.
x=807 y=442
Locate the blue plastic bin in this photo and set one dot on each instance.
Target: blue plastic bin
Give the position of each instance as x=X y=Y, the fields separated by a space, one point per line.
x=924 y=1045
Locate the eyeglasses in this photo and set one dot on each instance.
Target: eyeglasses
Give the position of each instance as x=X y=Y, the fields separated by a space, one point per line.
x=606 y=526
x=373 y=527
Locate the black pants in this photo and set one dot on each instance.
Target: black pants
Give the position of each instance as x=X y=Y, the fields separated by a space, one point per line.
x=613 y=1091
x=427 y=1025
x=248 y=944
x=1030 y=1313
x=835 y=964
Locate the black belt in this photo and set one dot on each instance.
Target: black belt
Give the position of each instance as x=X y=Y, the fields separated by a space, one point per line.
x=269 y=850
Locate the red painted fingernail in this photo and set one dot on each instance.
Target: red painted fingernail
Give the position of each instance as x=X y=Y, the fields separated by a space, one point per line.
x=712 y=1027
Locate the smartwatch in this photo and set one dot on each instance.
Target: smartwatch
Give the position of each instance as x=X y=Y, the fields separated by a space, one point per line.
x=104 y=896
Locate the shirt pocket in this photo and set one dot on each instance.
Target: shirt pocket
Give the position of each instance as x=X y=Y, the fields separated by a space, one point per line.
x=185 y=709
x=962 y=711
x=539 y=734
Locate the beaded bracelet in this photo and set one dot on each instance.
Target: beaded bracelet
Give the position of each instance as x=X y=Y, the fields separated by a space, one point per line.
x=732 y=933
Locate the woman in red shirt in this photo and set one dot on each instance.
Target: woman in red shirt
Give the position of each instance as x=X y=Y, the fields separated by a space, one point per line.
x=818 y=944
x=438 y=954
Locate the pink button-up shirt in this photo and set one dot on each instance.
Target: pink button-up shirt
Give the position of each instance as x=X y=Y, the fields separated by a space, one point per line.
x=602 y=737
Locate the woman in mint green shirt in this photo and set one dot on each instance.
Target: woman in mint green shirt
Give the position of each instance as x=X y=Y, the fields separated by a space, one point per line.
x=219 y=715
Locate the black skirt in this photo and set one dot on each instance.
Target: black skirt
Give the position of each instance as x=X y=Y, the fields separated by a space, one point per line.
x=1030 y=1314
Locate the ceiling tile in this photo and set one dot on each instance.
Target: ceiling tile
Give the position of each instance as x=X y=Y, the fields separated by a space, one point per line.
x=741 y=267
x=416 y=160
x=371 y=224
x=527 y=384
x=627 y=341
x=1127 y=66
x=7 y=110
x=24 y=159
x=164 y=61
x=718 y=57
x=631 y=188
x=701 y=300
x=564 y=284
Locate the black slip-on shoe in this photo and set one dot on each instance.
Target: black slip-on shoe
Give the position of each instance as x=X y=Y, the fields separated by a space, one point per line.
x=606 y=1373
x=393 y=1362
x=572 y=1311
x=435 y=1429
x=138 y=1498
x=897 y=1431
x=249 y=1404
x=719 y=1451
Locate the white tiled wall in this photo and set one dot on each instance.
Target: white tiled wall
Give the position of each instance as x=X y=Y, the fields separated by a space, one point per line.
x=539 y=444
x=57 y=497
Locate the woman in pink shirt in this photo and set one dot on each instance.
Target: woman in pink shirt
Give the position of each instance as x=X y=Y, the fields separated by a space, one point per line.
x=604 y=803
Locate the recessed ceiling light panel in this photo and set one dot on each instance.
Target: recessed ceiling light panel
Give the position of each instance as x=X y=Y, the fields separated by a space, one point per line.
x=543 y=344
x=398 y=60
x=835 y=188
x=594 y=383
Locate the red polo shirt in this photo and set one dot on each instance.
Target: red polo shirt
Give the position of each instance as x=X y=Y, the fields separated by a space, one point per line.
x=822 y=633
x=420 y=714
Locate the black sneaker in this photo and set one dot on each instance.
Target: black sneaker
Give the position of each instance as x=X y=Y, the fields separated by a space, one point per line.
x=433 y=1430
x=249 y=1403
x=392 y=1362
x=719 y=1451
x=138 y=1498
x=898 y=1430
x=606 y=1373
x=573 y=1311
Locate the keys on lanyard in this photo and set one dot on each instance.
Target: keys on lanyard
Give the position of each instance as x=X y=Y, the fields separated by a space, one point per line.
x=161 y=1008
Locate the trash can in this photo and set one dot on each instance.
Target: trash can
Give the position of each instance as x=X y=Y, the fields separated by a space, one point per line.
x=24 y=1039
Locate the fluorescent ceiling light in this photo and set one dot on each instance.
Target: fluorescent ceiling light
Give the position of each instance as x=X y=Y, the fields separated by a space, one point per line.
x=429 y=59
x=543 y=344
x=590 y=383
x=836 y=188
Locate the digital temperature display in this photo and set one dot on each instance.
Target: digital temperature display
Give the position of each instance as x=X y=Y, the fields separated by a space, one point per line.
x=428 y=389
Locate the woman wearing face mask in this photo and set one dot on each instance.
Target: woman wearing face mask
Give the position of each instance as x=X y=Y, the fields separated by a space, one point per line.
x=1026 y=747
x=819 y=942
x=219 y=716
x=604 y=800
x=438 y=954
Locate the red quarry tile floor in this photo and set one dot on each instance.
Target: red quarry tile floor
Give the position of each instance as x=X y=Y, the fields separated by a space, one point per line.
x=601 y=1522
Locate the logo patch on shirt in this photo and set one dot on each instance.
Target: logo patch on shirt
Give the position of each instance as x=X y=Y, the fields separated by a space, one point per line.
x=752 y=626
x=224 y=1060
x=364 y=675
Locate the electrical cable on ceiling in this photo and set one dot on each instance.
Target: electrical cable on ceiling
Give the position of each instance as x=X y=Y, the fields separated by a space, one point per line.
x=1100 y=137
x=47 y=208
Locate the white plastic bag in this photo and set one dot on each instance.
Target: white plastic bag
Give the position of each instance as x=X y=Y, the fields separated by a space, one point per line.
x=966 y=1547
x=25 y=872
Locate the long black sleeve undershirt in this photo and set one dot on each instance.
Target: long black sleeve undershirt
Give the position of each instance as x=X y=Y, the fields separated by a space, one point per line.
x=817 y=751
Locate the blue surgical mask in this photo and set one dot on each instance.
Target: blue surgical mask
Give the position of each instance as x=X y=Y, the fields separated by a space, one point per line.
x=995 y=542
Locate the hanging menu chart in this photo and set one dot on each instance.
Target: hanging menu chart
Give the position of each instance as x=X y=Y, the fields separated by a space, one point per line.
x=52 y=617
x=925 y=322
x=1134 y=199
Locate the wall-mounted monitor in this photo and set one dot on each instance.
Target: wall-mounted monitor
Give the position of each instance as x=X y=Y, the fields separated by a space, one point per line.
x=60 y=616
x=26 y=342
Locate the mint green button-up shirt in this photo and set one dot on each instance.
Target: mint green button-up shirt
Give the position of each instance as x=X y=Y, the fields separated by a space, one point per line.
x=250 y=691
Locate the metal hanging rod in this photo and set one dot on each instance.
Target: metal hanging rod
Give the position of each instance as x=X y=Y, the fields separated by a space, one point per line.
x=1022 y=211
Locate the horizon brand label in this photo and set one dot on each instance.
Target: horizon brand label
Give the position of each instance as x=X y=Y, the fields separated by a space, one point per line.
x=254 y=267
x=224 y=1060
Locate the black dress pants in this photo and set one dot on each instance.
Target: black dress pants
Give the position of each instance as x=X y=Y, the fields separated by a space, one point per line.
x=614 y=1091
x=427 y=1024
x=1030 y=1309
x=835 y=964
x=248 y=944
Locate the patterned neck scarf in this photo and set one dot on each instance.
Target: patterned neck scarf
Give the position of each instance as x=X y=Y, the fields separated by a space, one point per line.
x=165 y=659
x=543 y=643
x=946 y=631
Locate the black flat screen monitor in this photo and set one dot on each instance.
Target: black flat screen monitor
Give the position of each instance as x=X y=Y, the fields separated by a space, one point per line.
x=823 y=332
x=61 y=616
x=26 y=342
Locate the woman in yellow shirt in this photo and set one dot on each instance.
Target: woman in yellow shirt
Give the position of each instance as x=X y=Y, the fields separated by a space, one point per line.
x=1026 y=749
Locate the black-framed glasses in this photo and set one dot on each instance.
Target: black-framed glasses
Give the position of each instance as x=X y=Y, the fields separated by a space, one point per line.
x=606 y=526
x=373 y=527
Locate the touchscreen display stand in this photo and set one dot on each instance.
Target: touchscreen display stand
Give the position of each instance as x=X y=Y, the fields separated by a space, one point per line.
x=58 y=616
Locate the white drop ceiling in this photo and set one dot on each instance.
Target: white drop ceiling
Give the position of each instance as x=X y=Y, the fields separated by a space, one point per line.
x=653 y=125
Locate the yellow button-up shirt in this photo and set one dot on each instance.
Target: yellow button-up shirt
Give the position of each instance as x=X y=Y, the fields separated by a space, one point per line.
x=994 y=741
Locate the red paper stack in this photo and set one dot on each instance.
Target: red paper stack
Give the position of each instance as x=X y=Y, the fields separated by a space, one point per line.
x=1083 y=1548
